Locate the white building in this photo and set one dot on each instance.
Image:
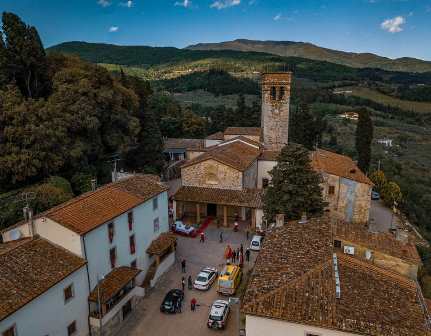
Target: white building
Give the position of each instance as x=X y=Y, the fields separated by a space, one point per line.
x=112 y=228
x=43 y=290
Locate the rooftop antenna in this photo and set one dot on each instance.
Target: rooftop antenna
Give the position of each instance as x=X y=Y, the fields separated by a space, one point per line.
x=26 y=197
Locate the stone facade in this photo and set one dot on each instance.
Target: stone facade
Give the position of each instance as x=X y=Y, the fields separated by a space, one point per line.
x=211 y=174
x=275 y=109
x=348 y=200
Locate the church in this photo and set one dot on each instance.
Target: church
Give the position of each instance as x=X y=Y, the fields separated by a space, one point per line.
x=224 y=175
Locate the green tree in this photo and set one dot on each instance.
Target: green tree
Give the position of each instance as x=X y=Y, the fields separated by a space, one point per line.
x=305 y=128
x=391 y=193
x=364 y=138
x=379 y=179
x=26 y=59
x=295 y=186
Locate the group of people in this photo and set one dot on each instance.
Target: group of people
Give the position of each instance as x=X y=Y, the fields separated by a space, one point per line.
x=236 y=256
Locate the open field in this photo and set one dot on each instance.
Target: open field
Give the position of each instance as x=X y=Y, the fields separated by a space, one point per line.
x=381 y=98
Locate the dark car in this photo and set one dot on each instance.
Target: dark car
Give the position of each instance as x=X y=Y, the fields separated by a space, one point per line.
x=375 y=195
x=172 y=301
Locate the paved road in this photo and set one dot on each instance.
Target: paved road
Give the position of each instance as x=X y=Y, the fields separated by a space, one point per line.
x=381 y=217
x=147 y=319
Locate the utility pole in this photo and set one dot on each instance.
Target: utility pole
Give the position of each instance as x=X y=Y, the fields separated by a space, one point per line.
x=26 y=197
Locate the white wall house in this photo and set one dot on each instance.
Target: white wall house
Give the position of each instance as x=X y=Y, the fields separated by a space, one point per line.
x=48 y=296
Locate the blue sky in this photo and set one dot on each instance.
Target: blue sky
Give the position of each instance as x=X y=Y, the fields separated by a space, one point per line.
x=392 y=28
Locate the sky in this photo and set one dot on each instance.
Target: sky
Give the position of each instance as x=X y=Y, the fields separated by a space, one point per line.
x=391 y=28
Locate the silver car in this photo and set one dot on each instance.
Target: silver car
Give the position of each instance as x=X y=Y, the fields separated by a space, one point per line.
x=218 y=314
x=205 y=278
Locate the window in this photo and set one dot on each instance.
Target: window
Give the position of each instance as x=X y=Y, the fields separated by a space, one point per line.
x=130 y=220
x=113 y=256
x=134 y=264
x=281 y=93
x=71 y=328
x=68 y=293
x=337 y=243
x=273 y=93
x=156 y=225
x=10 y=331
x=155 y=203
x=265 y=183
x=132 y=244
x=331 y=190
x=111 y=232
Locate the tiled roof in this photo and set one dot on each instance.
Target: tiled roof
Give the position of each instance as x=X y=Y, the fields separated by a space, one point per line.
x=383 y=242
x=90 y=210
x=189 y=144
x=215 y=136
x=113 y=283
x=268 y=155
x=255 y=131
x=337 y=164
x=31 y=268
x=159 y=245
x=251 y=198
x=294 y=280
x=236 y=154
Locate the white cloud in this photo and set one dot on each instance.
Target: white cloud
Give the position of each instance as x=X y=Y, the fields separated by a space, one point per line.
x=128 y=4
x=221 y=4
x=104 y=3
x=113 y=29
x=184 y=3
x=277 y=17
x=393 y=25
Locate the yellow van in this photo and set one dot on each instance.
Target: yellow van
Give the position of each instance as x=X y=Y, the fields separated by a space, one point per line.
x=229 y=279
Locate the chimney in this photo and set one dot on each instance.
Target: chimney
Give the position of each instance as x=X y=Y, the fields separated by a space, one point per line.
x=279 y=220
x=402 y=235
x=93 y=184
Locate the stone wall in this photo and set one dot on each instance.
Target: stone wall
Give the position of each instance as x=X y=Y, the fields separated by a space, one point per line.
x=275 y=109
x=350 y=201
x=211 y=174
x=250 y=176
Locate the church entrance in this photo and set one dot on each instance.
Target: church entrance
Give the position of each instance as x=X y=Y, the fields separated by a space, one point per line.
x=211 y=210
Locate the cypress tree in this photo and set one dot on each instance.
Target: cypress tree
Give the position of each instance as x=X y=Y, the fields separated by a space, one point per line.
x=303 y=128
x=295 y=186
x=364 y=138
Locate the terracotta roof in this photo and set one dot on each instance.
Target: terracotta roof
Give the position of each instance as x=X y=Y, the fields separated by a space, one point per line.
x=268 y=155
x=294 y=280
x=339 y=165
x=236 y=154
x=216 y=136
x=113 y=283
x=159 y=245
x=255 y=131
x=251 y=198
x=10 y=245
x=90 y=210
x=382 y=242
x=189 y=144
x=31 y=268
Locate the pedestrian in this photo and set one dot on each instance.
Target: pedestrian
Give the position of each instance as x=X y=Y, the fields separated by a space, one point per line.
x=247 y=255
x=241 y=249
x=233 y=256
x=221 y=236
x=237 y=254
x=193 y=304
x=229 y=254
x=190 y=282
x=202 y=237
x=183 y=283
x=241 y=260
x=247 y=233
x=183 y=266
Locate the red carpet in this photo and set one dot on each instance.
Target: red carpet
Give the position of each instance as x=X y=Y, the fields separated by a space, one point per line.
x=204 y=225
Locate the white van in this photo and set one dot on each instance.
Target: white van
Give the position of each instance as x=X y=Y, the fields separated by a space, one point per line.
x=256 y=243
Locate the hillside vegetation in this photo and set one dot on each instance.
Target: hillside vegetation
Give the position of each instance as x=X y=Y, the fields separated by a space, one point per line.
x=311 y=51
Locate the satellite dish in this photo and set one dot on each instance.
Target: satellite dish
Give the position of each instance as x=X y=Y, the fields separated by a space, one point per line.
x=15 y=234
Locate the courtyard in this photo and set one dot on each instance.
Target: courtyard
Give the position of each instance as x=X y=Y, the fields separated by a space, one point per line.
x=147 y=318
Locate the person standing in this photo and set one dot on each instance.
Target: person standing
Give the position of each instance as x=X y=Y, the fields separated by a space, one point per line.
x=183 y=265
x=247 y=233
x=183 y=283
x=247 y=254
x=221 y=237
x=193 y=304
x=190 y=282
x=241 y=249
x=233 y=256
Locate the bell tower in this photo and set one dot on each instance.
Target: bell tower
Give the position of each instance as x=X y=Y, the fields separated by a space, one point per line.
x=275 y=109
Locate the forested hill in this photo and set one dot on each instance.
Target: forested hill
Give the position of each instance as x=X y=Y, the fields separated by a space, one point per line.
x=311 y=51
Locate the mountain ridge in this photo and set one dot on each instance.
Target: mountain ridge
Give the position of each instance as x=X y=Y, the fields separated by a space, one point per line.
x=314 y=52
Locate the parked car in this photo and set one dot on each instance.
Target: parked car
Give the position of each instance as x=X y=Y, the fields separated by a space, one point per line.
x=375 y=195
x=172 y=301
x=256 y=243
x=218 y=314
x=205 y=278
x=184 y=229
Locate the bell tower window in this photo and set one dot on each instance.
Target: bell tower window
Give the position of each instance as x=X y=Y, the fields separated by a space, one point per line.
x=273 y=93
x=281 y=93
